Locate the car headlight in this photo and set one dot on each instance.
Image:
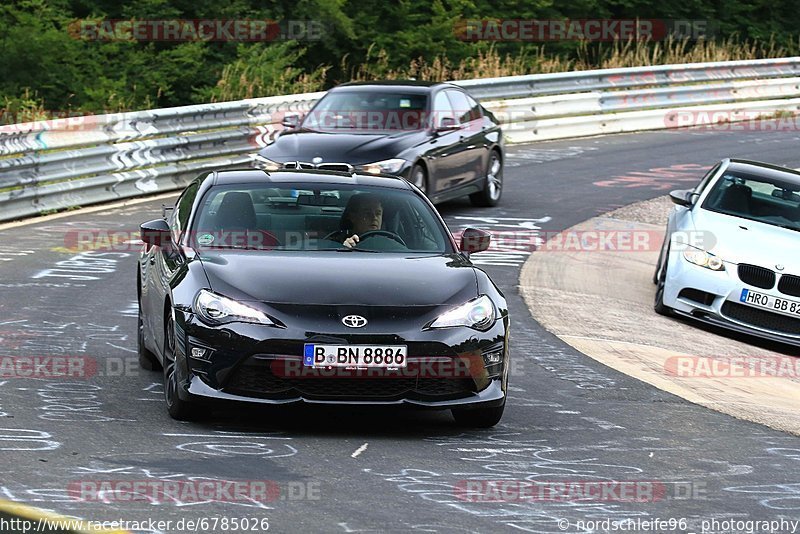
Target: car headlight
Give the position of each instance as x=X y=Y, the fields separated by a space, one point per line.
x=216 y=309
x=703 y=259
x=389 y=166
x=266 y=164
x=478 y=313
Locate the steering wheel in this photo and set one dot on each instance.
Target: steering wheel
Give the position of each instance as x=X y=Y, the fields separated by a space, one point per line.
x=384 y=233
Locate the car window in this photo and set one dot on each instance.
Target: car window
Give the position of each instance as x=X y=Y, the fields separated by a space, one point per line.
x=461 y=105
x=475 y=111
x=768 y=200
x=309 y=217
x=442 y=108
x=183 y=209
x=368 y=110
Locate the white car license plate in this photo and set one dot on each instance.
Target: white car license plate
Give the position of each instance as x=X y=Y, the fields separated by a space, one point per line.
x=388 y=356
x=768 y=302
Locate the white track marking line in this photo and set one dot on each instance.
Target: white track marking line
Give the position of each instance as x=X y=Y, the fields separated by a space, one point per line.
x=359 y=450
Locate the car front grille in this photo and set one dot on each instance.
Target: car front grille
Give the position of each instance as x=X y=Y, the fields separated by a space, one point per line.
x=257 y=377
x=761 y=318
x=756 y=276
x=789 y=285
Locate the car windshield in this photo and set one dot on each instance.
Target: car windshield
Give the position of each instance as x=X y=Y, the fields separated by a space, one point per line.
x=310 y=217
x=368 y=110
x=757 y=198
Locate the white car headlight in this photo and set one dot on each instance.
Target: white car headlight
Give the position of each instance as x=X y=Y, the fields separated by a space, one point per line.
x=216 y=309
x=266 y=164
x=703 y=259
x=389 y=166
x=478 y=313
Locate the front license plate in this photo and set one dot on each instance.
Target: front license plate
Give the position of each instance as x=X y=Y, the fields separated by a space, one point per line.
x=385 y=356
x=768 y=302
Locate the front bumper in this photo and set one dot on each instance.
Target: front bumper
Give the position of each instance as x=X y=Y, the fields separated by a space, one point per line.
x=260 y=364
x=713 y=297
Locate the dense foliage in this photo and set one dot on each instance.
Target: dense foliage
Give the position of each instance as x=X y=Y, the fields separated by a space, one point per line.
x=46 y=67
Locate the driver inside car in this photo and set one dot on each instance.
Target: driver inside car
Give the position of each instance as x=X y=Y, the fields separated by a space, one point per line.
x=364 y=213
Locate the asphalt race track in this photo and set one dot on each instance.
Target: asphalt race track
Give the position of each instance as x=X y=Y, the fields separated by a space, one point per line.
x=569 y=419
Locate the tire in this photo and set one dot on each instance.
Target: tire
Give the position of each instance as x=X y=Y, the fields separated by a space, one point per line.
x=479 y=417
x=493 y=187
x=658 y=266
x=658 y=304
x=178 y=408
x=147 y=360
x=419 y=177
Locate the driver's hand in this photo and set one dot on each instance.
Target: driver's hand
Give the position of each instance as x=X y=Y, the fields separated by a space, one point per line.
x=351 y=241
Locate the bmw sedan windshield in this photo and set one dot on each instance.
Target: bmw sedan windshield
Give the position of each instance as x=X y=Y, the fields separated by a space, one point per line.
x=311 y=217
x=368 y=110
x=757 y=198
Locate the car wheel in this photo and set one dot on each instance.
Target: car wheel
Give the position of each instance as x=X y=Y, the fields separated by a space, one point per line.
x=178 y=408
x=479 y=417
x=147 y=360
x=658 y=264
x=658 y=304
x=493 y=184
x=419 y=177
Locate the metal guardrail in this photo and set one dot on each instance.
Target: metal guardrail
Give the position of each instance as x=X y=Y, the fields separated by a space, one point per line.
x=52 y=165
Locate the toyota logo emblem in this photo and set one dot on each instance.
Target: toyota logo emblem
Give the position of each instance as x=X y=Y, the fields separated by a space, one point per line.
x=354 y=321
x=317 y=160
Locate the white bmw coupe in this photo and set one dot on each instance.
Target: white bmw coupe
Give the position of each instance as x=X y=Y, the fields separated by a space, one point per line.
x=731 y=256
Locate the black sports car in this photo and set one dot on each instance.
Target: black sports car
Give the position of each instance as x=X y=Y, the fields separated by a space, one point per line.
x=433 y=134
x=320 y=287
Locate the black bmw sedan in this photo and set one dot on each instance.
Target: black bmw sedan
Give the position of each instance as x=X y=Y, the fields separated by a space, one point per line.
x=319 y=287
x=433 y=134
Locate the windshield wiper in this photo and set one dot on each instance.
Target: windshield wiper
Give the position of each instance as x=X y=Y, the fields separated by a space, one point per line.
x=790 y=227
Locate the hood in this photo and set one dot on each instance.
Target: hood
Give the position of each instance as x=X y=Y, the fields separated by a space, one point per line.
x=738 y=240
x=341 y=146
x=339 y=278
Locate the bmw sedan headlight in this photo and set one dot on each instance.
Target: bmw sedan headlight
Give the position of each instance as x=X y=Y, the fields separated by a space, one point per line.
x=266 y=164
x=389 y=166
x=478 y=313
x=703 y=259
x=215 y=309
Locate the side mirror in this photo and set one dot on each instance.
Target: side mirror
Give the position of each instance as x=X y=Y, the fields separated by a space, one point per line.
x=291 y=121
x=682 y=197
x=156 y=233
x=474 y=240
x=447 y=124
